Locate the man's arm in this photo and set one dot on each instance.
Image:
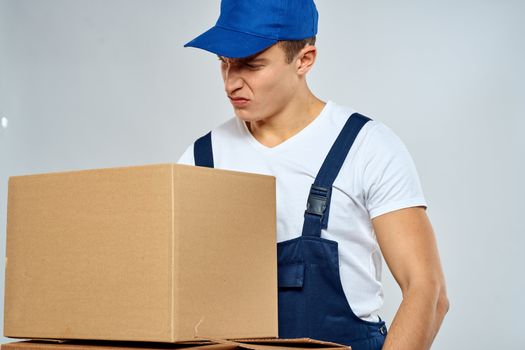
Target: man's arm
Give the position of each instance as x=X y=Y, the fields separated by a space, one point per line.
x=409 y=247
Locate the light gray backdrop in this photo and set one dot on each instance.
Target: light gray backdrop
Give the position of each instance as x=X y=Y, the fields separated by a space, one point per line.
x=103 y=83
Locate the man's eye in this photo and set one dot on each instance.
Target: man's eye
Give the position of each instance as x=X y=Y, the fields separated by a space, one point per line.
x=251 y=66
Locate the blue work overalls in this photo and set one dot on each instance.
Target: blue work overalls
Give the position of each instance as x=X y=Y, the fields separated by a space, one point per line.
x=312 y=302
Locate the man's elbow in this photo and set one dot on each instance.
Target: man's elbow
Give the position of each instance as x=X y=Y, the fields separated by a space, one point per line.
x=443 y=303
x=434 y=292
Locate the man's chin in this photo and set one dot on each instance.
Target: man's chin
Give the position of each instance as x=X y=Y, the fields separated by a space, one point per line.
x=244 y=115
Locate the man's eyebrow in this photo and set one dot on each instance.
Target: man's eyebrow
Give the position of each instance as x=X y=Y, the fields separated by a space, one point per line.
x=247 y=59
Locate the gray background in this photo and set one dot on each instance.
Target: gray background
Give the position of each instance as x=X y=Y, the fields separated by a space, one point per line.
x=103 y=83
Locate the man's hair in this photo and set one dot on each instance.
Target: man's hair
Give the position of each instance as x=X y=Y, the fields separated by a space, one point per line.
x=292 y=47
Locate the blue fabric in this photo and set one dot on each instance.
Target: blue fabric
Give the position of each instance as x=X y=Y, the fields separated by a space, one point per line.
x=312 y=302
x=245 y=28
x=203 y=151
x=319 y=309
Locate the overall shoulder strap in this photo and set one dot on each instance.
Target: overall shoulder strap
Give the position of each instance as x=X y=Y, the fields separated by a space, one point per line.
x=203 y=151
x=318 y=205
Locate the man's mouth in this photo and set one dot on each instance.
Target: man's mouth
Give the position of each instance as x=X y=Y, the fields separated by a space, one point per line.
x=239 y=101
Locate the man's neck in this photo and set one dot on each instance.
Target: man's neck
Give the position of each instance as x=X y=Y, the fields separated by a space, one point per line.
x=291 y=120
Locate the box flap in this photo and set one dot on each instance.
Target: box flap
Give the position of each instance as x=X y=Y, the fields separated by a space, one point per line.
x=212 y=344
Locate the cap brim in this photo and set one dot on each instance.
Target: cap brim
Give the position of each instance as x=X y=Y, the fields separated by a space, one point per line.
x=229 y=43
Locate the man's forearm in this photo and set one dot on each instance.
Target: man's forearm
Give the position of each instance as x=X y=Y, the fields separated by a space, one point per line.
x=417 y=320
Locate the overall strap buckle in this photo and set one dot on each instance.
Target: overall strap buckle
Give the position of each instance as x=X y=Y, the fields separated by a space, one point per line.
x=317 y=200
x=317 y=210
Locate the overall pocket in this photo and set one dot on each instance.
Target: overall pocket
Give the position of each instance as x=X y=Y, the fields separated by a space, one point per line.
x=293 y=320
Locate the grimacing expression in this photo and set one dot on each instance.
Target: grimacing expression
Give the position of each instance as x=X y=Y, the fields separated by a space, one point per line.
x=259 y=86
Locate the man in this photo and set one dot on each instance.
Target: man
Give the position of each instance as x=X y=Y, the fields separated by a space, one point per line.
x=353 y=176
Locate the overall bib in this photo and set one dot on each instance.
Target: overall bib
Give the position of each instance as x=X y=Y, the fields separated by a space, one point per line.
x=312 y=303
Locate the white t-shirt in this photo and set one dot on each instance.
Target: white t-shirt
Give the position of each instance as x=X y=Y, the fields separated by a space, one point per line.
x=378 y=176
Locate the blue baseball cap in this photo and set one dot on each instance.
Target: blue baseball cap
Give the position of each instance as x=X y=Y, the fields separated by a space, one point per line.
x=246 y=27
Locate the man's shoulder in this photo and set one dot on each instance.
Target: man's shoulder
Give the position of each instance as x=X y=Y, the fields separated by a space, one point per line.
x=376 y=140
x=372 y=133
x=378 y=135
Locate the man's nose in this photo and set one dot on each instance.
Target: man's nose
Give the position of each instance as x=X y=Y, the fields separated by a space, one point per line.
x=232 y=79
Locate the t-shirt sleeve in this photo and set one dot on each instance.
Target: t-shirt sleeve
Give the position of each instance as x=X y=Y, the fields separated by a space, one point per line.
x=389 y=175
x=187 y=157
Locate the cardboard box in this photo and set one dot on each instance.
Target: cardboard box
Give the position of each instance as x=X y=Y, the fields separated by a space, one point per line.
x=160 y=253
x=247 y=344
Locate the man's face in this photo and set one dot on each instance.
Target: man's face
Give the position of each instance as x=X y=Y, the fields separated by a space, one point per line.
x=259 y=86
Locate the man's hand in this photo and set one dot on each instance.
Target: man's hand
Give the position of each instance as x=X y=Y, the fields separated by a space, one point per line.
x=409 y=247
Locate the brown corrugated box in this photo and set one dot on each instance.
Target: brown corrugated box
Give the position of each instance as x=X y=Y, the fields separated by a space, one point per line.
x=159 y=253
x=246 y=344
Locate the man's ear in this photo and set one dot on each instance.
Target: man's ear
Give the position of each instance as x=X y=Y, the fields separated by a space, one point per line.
x=305 y=59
